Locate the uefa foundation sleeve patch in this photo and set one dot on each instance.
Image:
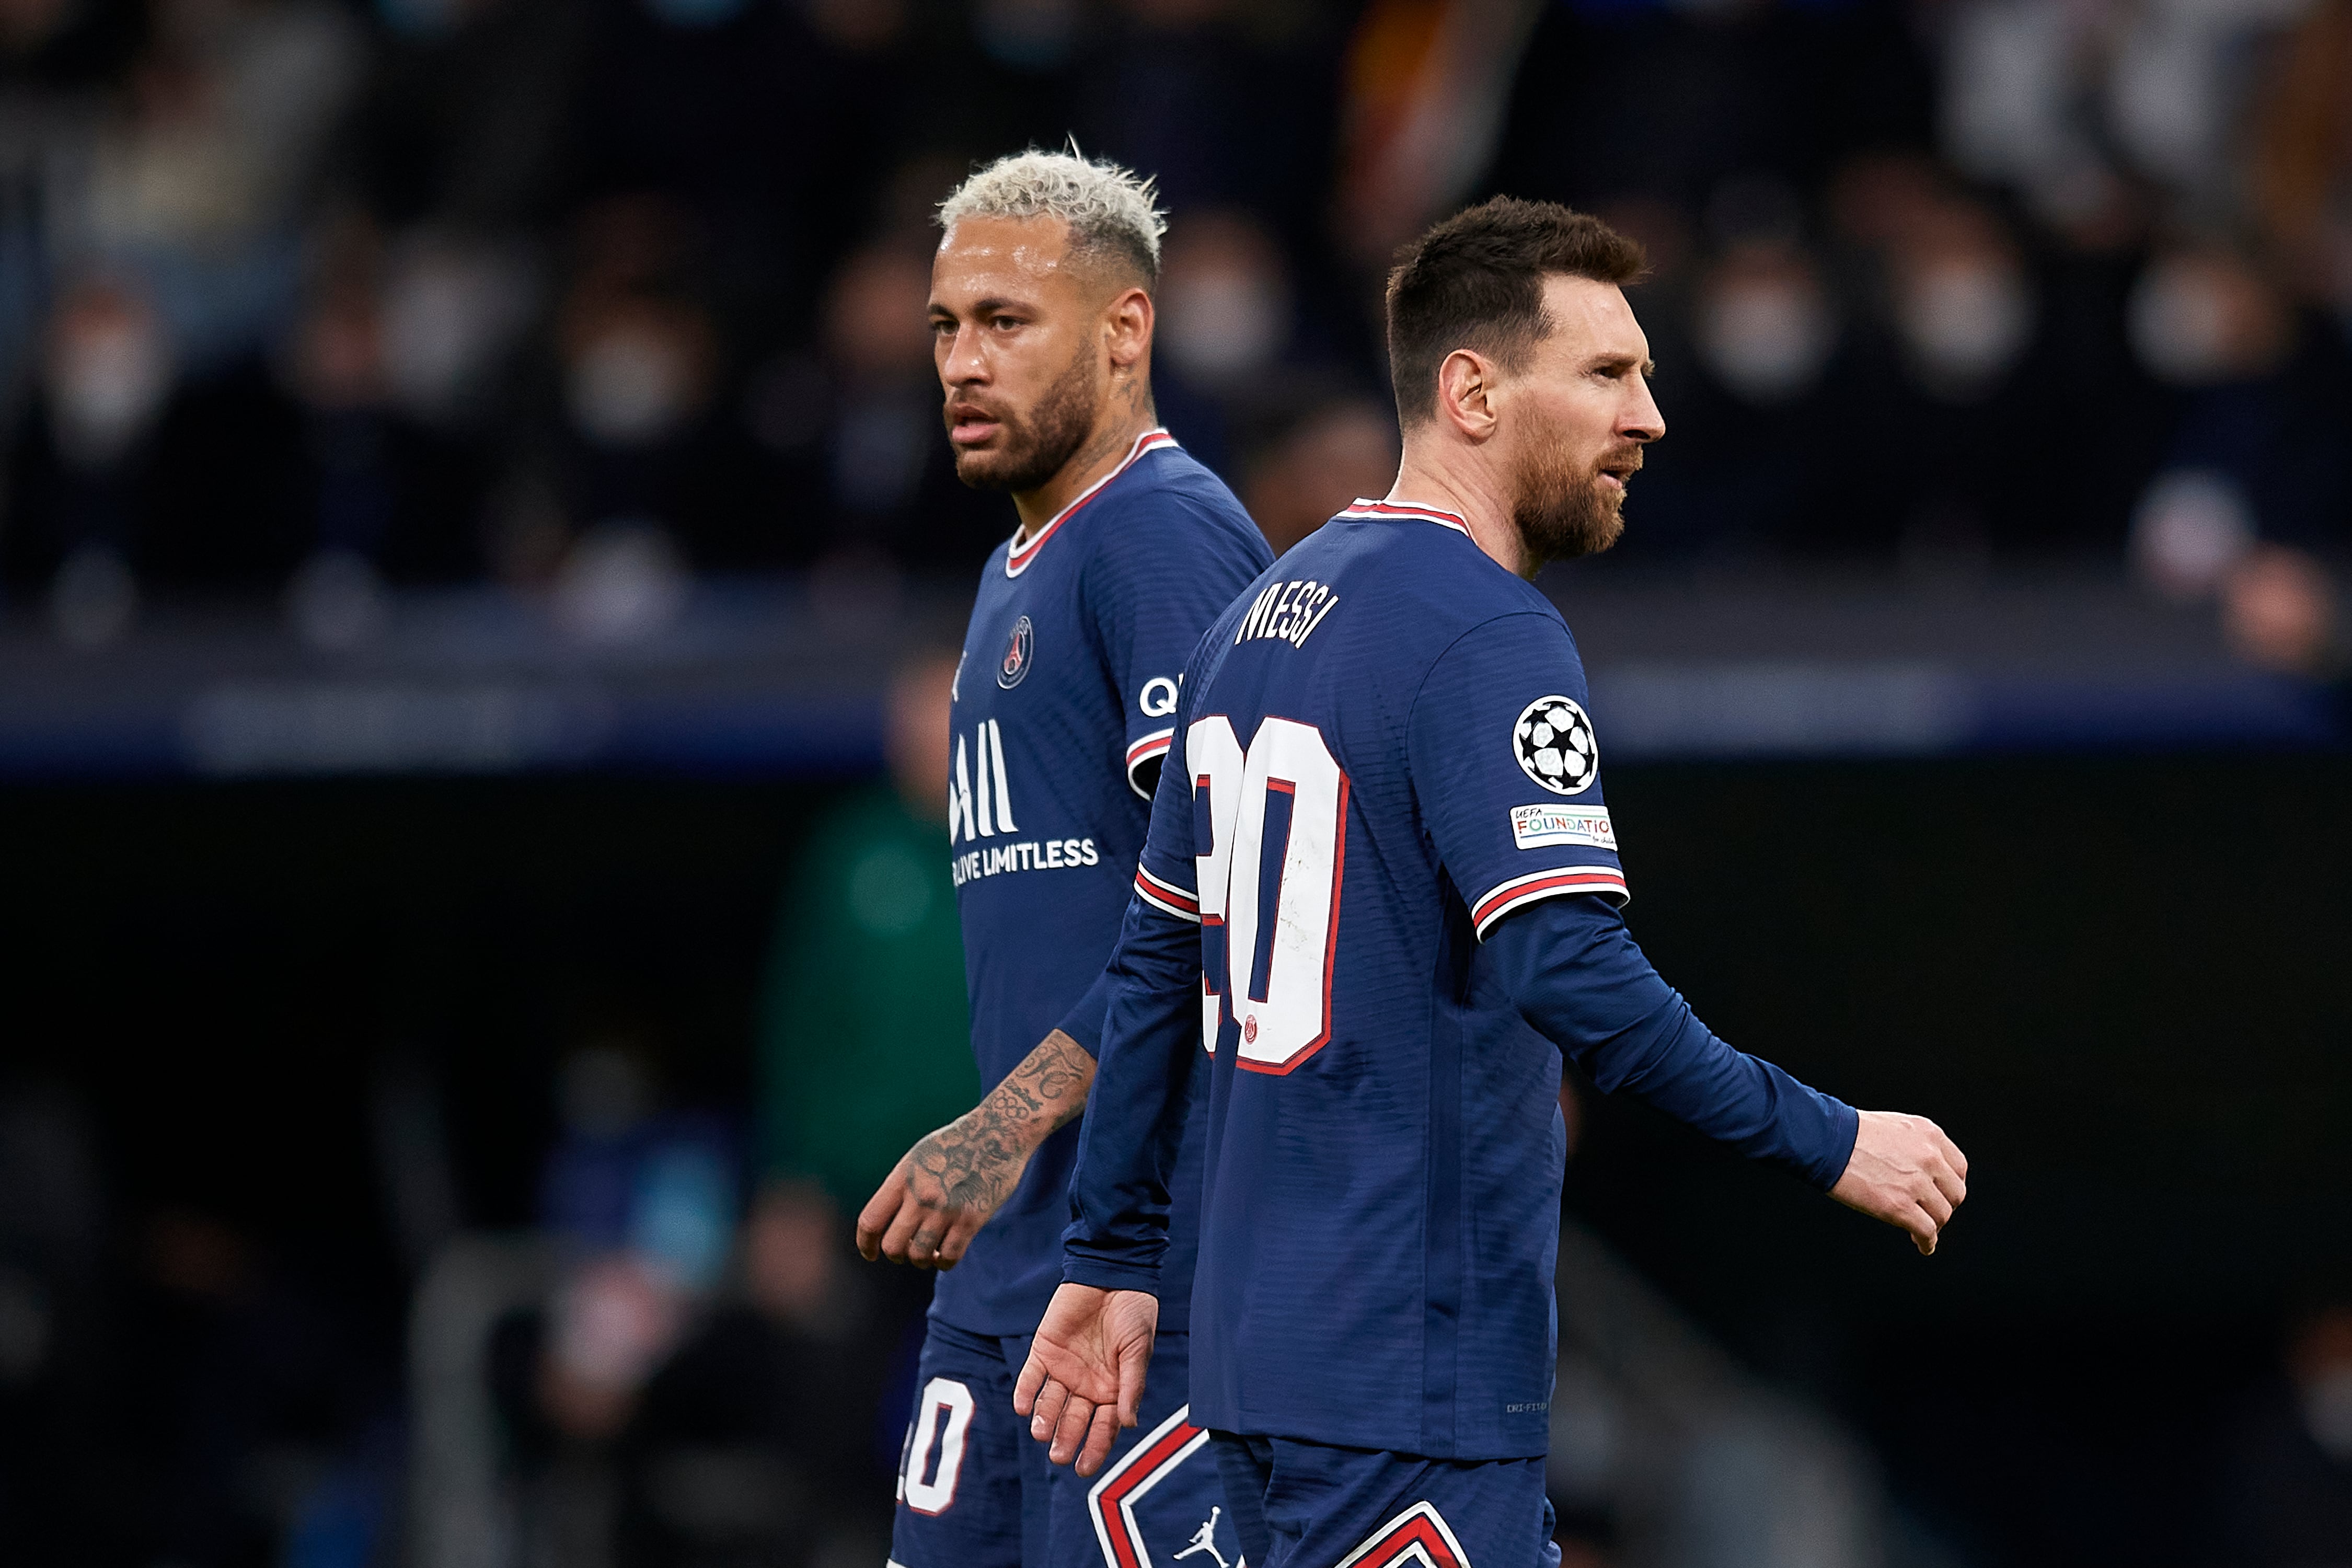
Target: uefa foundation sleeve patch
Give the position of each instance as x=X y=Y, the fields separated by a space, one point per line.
x=1534 y=827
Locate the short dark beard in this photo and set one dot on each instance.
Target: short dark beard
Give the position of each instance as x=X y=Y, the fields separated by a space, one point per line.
x=1562 y=512
x=1039 y=443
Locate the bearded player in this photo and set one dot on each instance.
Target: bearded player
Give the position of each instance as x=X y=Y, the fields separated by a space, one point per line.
x=1042 y=318
x=1386 y=860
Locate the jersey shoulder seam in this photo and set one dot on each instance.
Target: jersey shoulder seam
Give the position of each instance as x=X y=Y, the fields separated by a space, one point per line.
x=1455 y=641
x=1200 y=513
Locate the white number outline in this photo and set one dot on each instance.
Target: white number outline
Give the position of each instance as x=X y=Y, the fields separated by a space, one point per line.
x=1236 y=812
x=1211 y=751
x=937 y=1495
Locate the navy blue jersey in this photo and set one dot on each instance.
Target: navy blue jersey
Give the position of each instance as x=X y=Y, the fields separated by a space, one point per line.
x=1386 y=754
x=1064 y=704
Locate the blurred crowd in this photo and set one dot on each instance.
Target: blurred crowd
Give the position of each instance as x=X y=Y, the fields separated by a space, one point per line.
x=1983 y=278
x=309 y=298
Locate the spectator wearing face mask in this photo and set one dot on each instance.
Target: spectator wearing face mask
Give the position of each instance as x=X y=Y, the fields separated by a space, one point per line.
x=868 y=486
x=106 y=374
x=1764 y=330
x=657 y=478
x=2260 y=402
x=1226 y=323
x=391 y=497
x=1961 y=426
x=131 y=477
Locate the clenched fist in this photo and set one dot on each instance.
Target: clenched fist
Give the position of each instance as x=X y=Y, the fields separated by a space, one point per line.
x=1907 y=1172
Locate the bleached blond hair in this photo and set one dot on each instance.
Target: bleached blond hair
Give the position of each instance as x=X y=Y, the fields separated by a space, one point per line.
x=1111 y=209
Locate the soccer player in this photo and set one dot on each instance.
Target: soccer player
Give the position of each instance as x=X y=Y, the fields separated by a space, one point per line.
x=1380 y=868
x=1063 y=708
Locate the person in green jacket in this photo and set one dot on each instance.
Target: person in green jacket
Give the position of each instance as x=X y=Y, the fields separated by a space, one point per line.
x=865 y=1038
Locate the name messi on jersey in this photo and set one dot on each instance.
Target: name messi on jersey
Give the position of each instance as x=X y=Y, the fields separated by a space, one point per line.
x=1290 y=611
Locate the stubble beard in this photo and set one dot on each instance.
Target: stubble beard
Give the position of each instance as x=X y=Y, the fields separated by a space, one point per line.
x=1563 y=510
x=1036 y=445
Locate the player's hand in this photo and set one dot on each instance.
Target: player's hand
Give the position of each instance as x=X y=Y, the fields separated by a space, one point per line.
x=926 y=1211
x=1083 y=1378
x=1907 y=1172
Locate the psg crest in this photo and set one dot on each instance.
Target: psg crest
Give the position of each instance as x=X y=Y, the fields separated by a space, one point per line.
x=1020 y=653
x=1553 y=741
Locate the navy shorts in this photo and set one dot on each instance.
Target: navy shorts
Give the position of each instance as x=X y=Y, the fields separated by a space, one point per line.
x=1308 y=1505
x=975 y=1489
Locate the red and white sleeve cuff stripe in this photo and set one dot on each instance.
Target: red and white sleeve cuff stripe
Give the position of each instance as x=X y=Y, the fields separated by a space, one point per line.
x=1166 y=896
x=1520 y=891
x=1150 y=746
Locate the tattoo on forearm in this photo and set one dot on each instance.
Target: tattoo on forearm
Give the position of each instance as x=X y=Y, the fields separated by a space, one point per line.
x=975 y=1160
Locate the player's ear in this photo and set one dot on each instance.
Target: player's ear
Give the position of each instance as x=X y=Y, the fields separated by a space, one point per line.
x=1466 y=393
x=1127 y=322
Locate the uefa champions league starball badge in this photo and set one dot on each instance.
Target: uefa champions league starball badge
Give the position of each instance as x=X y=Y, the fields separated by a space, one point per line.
x=1553 y=741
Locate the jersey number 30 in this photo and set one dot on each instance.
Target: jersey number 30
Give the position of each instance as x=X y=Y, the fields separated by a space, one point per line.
x=1273 y=823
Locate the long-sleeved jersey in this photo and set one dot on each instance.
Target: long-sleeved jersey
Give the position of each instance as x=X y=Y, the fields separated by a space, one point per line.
x=1065 y=706
x=1386 y=781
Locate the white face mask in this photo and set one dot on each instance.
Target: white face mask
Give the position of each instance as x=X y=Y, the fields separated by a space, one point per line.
x=2189 y=324
x=2190 y=528
x=623 y=581
x=1222 y=323
x=1766 y=338
x=108 y=381
x=446 y=315
x=630 y=386
x=1965 y=322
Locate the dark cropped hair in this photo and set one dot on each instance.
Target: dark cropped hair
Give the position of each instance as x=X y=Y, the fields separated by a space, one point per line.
x=1475 y=281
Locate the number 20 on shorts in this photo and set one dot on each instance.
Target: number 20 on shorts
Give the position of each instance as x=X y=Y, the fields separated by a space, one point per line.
x=1273 y=823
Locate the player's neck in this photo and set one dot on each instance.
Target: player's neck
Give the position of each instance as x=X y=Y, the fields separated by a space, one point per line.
x=1124 y=419
x=1471 y=492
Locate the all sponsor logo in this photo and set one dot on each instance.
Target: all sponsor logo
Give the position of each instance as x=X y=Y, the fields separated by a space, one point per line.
x=1533 y=826
x=1553 y=742
x=1020 y=653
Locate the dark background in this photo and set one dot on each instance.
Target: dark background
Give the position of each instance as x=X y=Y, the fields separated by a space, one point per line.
x=2120 y=982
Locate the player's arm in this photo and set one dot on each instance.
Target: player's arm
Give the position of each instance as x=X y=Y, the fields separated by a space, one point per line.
x=1084 y=1377
x=945 y=1188
x=1576 y=975
x=1507 y=769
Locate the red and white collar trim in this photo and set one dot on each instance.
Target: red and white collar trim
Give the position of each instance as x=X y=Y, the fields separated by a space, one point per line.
x=1016 y=560
x=1390 y=511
